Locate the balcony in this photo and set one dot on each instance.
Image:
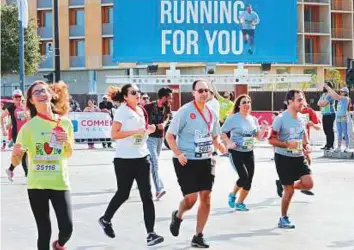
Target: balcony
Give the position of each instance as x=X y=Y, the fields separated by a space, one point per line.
x=316 y=1
x=45 y=32
x=44 y=4
x=316 y=27
x=340 y=5
x=46 y=63
x=107 y=29
x=77 y=30
x=107 y=60
x=316 y=58
x=106 y=1
x=341 y=33
x=77 y=61
x=339 y=61
x=76 y=2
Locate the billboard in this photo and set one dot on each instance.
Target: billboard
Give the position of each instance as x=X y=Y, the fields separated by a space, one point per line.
x=251 y=31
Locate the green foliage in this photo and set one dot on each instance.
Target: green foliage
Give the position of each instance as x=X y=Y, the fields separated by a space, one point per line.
x=10 y=41
x=305 y=85
x=334 y=76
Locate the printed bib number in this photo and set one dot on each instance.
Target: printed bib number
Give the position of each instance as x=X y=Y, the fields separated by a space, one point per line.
x=298 y=146
x=46 y=168
x=21 y=115
x=204 y=147
x=247 y=142
x=138 y=139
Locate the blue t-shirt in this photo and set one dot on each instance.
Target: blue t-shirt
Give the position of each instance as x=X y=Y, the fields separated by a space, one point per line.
x=289 y=129
x=192 y=135
x=342 y=107
x=329 y=108
x=243 y=131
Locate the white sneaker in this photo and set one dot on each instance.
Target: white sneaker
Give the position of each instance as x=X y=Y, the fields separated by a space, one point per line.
x=346 y=150
x=10 y=175
x=338 y=150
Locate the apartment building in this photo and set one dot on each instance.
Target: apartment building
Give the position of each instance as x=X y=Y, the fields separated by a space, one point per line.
x=325 y=40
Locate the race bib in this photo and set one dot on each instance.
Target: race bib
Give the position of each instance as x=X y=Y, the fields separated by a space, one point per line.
x=46 y=168
x=138 y=139
x=247 y=142
x=21 y=115
x=203 y=147
x=298 y=146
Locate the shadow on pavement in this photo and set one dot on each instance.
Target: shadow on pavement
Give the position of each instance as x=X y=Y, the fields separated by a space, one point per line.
x=341 y=244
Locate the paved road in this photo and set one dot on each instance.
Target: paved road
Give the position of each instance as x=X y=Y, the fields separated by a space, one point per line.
x=324 y=221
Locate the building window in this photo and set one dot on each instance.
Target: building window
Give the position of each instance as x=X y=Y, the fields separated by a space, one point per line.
x=310 y=71
x=77 y=17
x=309 y=45
x=107 y=46
x=283 y=70
x=107 y=14
x=77 y=47
x=46 y=48
x=45 y=18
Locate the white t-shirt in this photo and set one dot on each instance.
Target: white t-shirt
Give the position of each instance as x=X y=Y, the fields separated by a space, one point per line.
x=133 y=146
x=215 y=106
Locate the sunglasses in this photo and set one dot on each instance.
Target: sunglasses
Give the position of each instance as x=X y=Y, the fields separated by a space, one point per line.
x=246 y=102
x=134 y=92
x=201 y=91
x=39 y=92
x=146 y=98
x=18 y=96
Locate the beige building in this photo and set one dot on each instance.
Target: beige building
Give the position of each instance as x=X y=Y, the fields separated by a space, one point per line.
x=325 y=40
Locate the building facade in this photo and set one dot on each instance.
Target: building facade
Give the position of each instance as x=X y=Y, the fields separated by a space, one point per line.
x=325 y=39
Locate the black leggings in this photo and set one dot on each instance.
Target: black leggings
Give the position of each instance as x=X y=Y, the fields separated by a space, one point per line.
x=243 y=162
x=126 y=171
x=39 y=200
x=327 y=121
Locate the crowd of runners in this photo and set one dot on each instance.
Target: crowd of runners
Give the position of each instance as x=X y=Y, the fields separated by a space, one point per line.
x=209 y=125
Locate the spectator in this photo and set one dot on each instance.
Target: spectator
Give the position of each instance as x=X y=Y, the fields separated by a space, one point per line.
x=145 y=99
x=107 y=107
x=74 y=105
x=91 y=107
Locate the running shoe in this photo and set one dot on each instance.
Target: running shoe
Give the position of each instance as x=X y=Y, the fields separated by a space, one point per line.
x=154 y=239
x=231 y=200
x=241 y=207
x=175 y=224
x=107 y=227
x=160 y=194
x=346 y=150
x=338 y=150
x=10 y=175
x=279 y=188
x=199 y=242
x=284 y=222
x=307 y=192
x=56 y=246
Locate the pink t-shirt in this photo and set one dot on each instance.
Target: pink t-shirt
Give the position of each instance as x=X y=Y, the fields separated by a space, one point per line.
x=20 y=116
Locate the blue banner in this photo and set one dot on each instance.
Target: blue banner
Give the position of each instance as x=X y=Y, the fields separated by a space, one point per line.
x=224 y=31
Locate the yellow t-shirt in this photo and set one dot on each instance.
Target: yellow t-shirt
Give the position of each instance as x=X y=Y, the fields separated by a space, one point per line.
x=47 y=166
x=226 y=107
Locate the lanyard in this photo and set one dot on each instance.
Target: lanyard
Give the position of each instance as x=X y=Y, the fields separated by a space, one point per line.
x=205 y=120
x=45 y=117
x=145 y=114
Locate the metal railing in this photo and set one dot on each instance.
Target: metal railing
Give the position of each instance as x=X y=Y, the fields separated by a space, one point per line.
x=107 y=29
x=77 y=30
x=107 y=60
x=46 y=63
x=339 y=61
x=316 y=58
x=338 y=5
x=316 y=27
x=342 y=33
x=76 y=2
x=44 y=4
x=45 y=32
x=77 y=61
x=106 y=1
x=316 y=1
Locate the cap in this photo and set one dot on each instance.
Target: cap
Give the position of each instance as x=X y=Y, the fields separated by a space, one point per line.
x=17 y=92
x=345 y=89
x=105 y=96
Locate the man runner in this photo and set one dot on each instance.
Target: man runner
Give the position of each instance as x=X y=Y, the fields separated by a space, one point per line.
x=197 y=130
x=291 y=145
x=249 y=20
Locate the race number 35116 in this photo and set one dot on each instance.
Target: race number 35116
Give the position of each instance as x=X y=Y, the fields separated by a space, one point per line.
x=46 y=167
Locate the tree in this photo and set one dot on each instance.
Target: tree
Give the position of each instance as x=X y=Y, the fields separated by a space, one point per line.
x=10 y=41
x=334 y=76
x=305 y=85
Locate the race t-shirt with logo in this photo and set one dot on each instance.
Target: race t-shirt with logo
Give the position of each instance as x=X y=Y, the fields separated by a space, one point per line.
x=289 y=129
x=157 y=115
x=133 y=146
x=329 y=108
x=18 y=116
x=243 y=131
x=48 y=167
x=308 y=114
x=226 y=107
x=342 y=109
x=194 y=137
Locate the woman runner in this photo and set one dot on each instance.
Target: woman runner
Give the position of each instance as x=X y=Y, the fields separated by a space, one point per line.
x=48 y=140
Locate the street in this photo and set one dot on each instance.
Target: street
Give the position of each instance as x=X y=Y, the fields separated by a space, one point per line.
x=323 y=221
